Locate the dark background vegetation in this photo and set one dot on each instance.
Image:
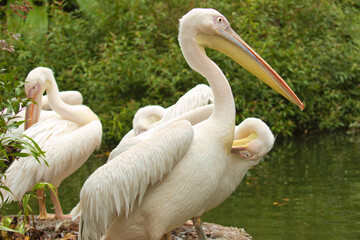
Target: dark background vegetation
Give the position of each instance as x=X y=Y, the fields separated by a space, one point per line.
x=125 y=55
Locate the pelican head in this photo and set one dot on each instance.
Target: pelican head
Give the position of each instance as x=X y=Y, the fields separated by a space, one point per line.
x=146 y=116
x=36 y=82
x=253 y=139
x=211 y=29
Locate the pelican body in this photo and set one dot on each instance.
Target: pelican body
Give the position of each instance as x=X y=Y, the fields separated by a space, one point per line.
x=182 y=170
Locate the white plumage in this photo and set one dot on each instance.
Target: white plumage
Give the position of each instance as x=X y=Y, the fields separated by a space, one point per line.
x=69 y=97
x=67 y=142
x=64 y=155
x=200 y=95
x=129 y=176
x=153 y=115
x=188 y=178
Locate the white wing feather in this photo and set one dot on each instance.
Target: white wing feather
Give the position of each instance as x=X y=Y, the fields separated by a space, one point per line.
x=130 y=139
x=198 y=96
x=113 y=189
x=67 y=146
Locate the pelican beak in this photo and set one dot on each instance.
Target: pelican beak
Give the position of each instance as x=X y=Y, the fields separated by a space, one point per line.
x=229 y=43
x=243 y=143
x=32 y=112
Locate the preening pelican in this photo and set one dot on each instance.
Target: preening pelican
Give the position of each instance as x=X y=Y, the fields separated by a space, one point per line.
x=68 y=140
x=181 y=171
x=69 y=97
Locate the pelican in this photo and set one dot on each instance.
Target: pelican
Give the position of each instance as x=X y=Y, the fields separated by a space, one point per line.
x=153 y=115
x=181 y=171
x=200 y=97
x=68 y=139
x=194 y=106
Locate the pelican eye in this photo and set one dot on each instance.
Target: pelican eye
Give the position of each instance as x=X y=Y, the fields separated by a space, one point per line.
x=221 y=22
x=246 y=154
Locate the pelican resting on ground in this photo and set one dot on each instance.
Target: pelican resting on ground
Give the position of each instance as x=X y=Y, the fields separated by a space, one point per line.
x=181 y=171
x=68 y=139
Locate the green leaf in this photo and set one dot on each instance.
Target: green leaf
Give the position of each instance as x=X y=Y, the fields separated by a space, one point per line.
x=19 y=154
x=3 y=228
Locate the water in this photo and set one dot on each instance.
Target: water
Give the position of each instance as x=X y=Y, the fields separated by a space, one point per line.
x=306 y=188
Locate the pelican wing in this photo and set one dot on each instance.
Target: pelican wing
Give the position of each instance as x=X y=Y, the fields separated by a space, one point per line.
x=198 y=96
x=113 y=189
x=130 y=140
x=66 y=145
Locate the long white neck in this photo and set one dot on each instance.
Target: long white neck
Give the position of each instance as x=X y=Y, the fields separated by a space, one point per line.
x=79 y=114
x=224 y=106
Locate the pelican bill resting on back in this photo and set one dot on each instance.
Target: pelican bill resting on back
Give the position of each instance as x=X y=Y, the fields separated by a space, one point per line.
x=68 y=139
x=181 y=171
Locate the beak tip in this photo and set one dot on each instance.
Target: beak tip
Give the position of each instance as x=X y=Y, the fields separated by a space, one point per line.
x=301 y=106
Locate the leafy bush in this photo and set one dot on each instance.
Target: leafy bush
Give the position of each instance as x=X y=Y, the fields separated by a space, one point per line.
x=14 y=144
x=125 y=55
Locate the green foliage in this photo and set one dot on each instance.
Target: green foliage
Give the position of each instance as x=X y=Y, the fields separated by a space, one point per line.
x=125 y=55
x=26 y=210
x=15 y=145
x=9 y=225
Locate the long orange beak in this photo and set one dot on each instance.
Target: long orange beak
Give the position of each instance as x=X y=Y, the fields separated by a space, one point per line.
x=32 y=112
x=229 y=43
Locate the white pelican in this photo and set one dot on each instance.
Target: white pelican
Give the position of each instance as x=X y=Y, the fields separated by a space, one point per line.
x=181 y=171
x=154 y=115
x=194 y=106
x=200 y=95
x=194 y=116
x=68 y=139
